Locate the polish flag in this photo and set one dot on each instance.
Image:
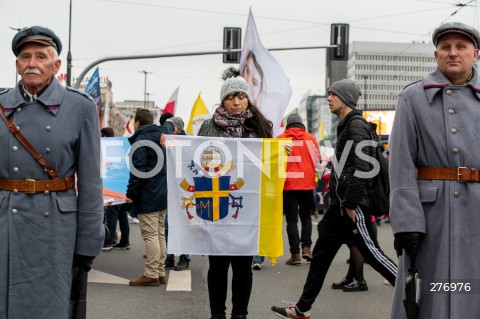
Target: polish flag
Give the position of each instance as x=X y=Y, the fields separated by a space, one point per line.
x=170 y=106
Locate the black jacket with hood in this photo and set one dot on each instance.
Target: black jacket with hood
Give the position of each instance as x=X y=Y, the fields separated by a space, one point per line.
x=345 y=186
x=148 y=194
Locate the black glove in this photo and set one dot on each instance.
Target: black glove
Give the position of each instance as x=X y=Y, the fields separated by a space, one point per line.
x=410 y=242
x=85 y=262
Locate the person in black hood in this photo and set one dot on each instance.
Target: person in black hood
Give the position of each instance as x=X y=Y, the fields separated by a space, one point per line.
x=348 y=216
x=147 y=192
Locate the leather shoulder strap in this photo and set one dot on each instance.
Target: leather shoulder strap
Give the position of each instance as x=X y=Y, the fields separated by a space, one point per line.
x=16 y=132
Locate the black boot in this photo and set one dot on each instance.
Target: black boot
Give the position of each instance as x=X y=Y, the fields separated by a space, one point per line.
x=183 y=263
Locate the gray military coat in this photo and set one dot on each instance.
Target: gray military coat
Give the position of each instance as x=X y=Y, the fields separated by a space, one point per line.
x=40 y=233
x=438 y=125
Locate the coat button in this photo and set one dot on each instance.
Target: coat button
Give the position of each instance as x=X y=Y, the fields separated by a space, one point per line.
x=19 y=109
x=14 y=211
x=454 y=131
x=16 y=169
x=15 y=148
x=47 y=150
x=48 y=128
x=456 y=194
x=451 y=111
x=455 y=150
x=449 y=92
x=46 y=214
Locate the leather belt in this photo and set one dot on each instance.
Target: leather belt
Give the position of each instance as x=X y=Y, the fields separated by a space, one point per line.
x=459 y=174
x=32 y=186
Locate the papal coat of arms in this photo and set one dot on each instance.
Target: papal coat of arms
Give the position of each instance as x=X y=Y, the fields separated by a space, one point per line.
x=212 y=191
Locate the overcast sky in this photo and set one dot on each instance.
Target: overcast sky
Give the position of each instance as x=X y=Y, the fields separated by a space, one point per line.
x=102 y=28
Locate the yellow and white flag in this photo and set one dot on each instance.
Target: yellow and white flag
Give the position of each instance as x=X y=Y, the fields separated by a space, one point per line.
x=225 y=196
x=198 y=115
x=266 y=79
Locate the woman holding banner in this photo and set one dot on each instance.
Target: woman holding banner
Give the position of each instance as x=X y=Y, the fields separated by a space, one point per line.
x=236 y=117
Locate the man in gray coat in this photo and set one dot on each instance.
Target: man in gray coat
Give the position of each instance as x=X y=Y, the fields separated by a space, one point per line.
x=47 y=228
x=434 y=175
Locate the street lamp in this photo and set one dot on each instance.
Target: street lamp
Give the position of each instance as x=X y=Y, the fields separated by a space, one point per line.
x=69 y=54
x=145 y=92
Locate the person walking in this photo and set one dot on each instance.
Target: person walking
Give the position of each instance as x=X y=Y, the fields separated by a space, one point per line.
x=147 y=192
x=236 y=117
x=434 y=178
x=48 y=229
x=184 y=259
x=348 y=215
x=298 y=189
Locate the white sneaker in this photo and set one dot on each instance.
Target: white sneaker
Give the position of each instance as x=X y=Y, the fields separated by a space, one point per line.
x=133 y=220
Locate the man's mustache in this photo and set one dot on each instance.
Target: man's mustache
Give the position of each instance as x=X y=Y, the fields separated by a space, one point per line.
x=32 y=71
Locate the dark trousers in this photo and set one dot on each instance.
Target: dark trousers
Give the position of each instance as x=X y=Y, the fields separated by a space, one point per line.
x=218 y=282
x=112 y=214
x=298 y=203
x=334 y=230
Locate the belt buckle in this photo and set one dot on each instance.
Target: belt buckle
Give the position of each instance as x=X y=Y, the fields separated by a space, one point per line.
x=30 y=186
x=458 y=174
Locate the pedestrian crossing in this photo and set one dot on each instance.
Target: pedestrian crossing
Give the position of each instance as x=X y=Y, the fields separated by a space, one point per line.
x=177 y=280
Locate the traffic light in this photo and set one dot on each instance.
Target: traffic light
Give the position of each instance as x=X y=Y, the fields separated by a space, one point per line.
x=339 y=36
x=232 y=39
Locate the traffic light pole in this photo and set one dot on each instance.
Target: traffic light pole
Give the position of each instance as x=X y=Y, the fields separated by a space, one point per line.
x=170 y=55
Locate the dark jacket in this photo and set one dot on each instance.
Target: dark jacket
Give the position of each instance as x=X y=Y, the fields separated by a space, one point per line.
x=149 y=194
x=347 y=189
x=210 y=128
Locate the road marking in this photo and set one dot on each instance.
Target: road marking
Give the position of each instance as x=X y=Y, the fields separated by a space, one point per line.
x=104 y=278
x=179 y=280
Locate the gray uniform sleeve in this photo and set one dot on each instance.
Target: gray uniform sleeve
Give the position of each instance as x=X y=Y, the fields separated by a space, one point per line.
x=90 y=229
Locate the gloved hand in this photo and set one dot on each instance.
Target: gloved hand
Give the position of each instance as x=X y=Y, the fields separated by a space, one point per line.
x=410 y=242
x=85 y=262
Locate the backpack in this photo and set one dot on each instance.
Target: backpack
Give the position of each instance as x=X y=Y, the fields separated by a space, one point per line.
x=379 y=191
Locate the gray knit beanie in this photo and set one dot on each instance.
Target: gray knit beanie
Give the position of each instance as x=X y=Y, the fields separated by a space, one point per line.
x=294 y=119
x=347 y=91
x=235 y=85
x=178 y=122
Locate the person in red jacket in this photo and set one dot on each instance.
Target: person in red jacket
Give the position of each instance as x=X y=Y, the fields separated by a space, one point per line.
x=298 y=188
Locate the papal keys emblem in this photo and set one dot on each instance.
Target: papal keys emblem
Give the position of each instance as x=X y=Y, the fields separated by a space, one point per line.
x=212 y=191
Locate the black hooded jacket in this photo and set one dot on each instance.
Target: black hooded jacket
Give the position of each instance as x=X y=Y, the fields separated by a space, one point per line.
x=346 y=188
x=148 y=194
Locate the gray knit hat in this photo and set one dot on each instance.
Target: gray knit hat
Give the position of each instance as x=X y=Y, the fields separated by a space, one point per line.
x=347 y=91
x=178 y=122
x=234 y=85
x=294 y=119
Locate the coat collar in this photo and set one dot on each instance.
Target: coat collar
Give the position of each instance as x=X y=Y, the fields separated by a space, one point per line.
x=51 y=98
x=436 y=82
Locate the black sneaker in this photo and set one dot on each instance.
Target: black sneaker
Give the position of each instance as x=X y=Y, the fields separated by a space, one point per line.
x=169 y=263
x=356 y=286
x=290 y=312
x=121 y=246
x=341 y=284
x=183 y=264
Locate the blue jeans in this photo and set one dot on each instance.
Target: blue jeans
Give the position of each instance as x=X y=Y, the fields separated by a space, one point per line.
x=112 y=214
x=258 y=259
x=171 y=256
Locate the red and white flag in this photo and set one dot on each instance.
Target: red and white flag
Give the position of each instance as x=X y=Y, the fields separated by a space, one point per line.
x=172 y=103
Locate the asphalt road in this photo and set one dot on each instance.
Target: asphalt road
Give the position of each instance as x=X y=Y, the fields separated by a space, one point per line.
x=271 y=286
